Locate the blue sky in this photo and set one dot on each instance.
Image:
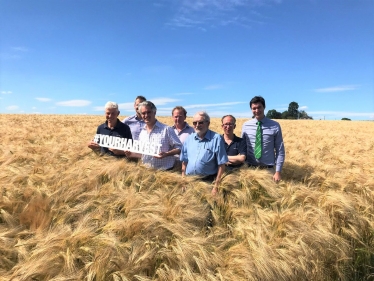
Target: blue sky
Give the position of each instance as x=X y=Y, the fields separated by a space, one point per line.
x=72 y=56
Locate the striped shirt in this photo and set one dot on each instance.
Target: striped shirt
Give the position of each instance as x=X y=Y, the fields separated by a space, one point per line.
x=273 y=152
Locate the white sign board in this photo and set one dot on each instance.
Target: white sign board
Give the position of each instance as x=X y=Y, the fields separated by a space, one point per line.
x=142 y=147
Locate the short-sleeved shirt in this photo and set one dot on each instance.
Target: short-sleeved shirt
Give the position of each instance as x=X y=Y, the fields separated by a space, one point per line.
x=184 y=133
x=236 y=147
x=273 y=152
x=164 y=135
x=203 y=156
x=120 y=130
x=136 y=124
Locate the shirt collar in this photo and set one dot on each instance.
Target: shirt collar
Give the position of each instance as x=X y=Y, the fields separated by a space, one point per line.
x=208 y=135
x=115 y=127
x=185 y=126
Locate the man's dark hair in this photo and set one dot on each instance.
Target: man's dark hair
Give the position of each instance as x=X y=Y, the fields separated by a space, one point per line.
x=141 y=98
x=229 y=115
x=257 y=99
x=179 y=108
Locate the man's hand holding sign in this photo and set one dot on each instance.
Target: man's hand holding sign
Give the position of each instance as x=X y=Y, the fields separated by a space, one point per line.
x=111 y=133
x=157 y=142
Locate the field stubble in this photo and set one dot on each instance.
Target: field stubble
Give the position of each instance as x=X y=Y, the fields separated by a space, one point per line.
x=68 y=214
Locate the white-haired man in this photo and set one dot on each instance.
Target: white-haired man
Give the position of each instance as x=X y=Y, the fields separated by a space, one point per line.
x=203 y=152
x=112 y=127
x=157 y=133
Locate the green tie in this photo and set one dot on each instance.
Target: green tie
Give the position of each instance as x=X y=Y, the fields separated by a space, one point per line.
x=258 y=143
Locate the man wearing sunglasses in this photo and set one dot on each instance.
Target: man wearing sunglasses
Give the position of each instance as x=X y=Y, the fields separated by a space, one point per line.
x=203 y=152
x=236 y=148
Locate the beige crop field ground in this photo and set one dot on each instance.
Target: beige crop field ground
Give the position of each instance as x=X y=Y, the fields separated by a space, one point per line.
x=68 y=214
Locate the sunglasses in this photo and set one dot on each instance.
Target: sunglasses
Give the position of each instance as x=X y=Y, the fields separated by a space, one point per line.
x=198 y=123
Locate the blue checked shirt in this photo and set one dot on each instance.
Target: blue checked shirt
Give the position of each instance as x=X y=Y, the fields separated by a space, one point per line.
x=165 y=135
x=136 y=124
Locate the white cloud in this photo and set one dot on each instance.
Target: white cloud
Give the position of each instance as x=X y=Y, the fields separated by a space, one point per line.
x=337 y=89
x=213 y=87
x=126 y=106
x=162 y=101
x=6 y=92
x=210 y=13
x=12 y=107
x=43 y=99
x=20 y=49
x=129 y=106
x=303 y=107
x=76 y=103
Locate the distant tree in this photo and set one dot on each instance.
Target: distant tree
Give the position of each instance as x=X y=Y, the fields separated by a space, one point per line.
x=347 y=119
x=304 y=115
x=284 y=115
x=293 y=110
x=273 y=114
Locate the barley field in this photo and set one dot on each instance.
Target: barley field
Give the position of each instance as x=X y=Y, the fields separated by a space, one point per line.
x=67 y=213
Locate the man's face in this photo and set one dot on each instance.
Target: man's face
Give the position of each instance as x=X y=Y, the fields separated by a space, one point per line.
x=136 y=103
x=147 y=115
x=228 y=125
x=179 y=117
x=258 y=110
x=111 y=114
x=201 y=126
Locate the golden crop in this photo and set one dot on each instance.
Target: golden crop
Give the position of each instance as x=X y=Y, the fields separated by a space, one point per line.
x=67 y=213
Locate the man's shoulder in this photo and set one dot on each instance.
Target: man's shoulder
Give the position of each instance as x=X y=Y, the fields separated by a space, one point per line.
x=101 y=126
x=213 y=135
x=128 y=118
x=122 y=125
x=190 y=137
x=237 y=139
x=162 y=126
x=250 y=122
x=270 y=122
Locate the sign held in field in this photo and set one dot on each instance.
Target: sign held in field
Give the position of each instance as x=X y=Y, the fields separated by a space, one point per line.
x=142 y=147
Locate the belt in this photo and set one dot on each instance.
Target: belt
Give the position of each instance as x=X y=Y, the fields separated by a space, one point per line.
x=261 y=166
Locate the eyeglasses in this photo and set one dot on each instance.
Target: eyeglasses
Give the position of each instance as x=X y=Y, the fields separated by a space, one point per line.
x=144 y=113
x=198 y=123
x=228 y=125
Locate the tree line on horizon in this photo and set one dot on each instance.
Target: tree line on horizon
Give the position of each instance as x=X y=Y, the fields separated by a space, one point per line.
x=293 y=112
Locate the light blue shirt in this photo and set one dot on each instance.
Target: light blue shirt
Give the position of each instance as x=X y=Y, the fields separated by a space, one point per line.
x=136 y=125
x=273 y=152
x=203 y=156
